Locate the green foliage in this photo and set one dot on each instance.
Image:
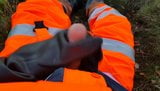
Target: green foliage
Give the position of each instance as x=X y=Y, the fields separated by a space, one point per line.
x=126 y=7
x=148 y=18
x=150 y=13
x=147 y=32
x=145 y=18
x=5 y=13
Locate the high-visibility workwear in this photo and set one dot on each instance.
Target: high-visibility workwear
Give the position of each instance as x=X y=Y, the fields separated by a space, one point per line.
x=38 y=60
x=49 y=11
x=91 y=5
x=104 y=22
x=64 y=79
x=118 y=53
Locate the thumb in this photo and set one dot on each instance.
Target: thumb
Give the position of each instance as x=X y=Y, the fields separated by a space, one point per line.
x=77 y=32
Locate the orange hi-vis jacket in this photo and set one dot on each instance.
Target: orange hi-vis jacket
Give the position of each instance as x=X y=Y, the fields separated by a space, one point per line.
x=72 y=80
x=105 y=22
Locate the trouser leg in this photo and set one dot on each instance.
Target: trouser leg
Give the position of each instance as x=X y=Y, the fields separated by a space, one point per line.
x=118 y=53
x=23 y=23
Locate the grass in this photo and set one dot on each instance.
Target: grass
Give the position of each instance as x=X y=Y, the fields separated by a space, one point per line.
x=144 y=16
x=5 y=13
x=147 y=33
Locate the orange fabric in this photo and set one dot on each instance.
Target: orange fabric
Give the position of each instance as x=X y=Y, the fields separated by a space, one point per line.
x=120 y=66
x=116 y=28
x=49 y=11
x=49 y=86
x=82 y=77
x=100 y=5
x=15 y=42
x=74 y=80
x=42 y=34
x=113 y=27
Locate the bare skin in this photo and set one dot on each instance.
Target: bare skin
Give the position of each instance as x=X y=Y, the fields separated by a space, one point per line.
x=76 y=32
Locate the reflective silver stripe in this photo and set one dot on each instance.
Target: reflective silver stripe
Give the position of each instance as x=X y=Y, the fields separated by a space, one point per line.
x=22 y=29
x=118 y=46
x=54 y=31
x=97 y=11
x=27 y=29
x=106 y=13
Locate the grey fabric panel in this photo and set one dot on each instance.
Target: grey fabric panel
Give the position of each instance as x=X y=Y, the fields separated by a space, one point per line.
x=56 y=76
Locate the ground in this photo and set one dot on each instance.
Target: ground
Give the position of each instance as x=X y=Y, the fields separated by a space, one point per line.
x=144 y=16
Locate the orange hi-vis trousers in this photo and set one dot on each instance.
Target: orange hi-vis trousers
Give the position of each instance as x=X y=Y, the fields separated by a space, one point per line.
x=105 y=22
x=118 y=42
x=49 y=11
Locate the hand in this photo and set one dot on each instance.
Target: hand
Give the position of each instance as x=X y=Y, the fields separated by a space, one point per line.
x=36 y=61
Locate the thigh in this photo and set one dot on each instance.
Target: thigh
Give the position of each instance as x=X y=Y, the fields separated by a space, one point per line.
x=23 y=23
x=118 y=42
